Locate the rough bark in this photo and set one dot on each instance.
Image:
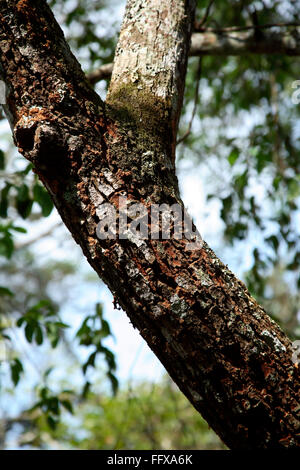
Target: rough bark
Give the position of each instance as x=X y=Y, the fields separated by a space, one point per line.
x=233 y=43
x=224 y=352
x=247 y=42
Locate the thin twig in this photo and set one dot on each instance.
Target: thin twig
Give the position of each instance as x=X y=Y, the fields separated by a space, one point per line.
x=196 y=99
x=206 y=15
x=20 y=246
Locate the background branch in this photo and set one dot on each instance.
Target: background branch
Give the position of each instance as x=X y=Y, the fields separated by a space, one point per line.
x=232 y=41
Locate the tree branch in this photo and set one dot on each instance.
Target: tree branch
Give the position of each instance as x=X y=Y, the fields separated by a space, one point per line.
x=226 y=43
x=21 y=246
x=101 y=73
x=229 y=42
x=150 y=64
x=224 y=352
x=229 y=29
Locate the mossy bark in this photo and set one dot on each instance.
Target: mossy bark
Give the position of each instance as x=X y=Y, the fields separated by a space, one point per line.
x=227 y=356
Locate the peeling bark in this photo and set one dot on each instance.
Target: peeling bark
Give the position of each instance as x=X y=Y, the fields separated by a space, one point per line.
x=224 y=352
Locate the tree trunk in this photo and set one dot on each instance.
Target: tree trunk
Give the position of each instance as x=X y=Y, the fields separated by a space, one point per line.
x=224 y=352
x=226 y=43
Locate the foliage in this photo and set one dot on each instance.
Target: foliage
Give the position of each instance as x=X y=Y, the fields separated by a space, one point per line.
x=32 y=310
x=91 y=333
x=144 y=416
x=29 y=314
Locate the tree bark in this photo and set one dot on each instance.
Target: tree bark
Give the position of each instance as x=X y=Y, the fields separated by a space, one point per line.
x=224 y=352
x=234 y=43
x=247 y=42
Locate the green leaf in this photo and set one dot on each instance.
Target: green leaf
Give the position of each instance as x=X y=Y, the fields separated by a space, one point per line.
x=233 y=156
x=226 y=209
x=16 y=369
x=26 y=170
x=38 y=335
x=89 y=362
x=68 y=405
x=273 y=241
x=44 y=393
x=99 y=309
x=4 y=200
x=29 y=330
x=23 y=193
x=20 y=322
x=5 y=291
x=6 y=245
x=240 y=182
x=114 y=382
x=61 y=325
x=42 y=197
x=53 y=405
x=294 y=188
x=52 y=422
x=24 y=202
x=19 y=229
x=48 y=372
x=86 y=389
